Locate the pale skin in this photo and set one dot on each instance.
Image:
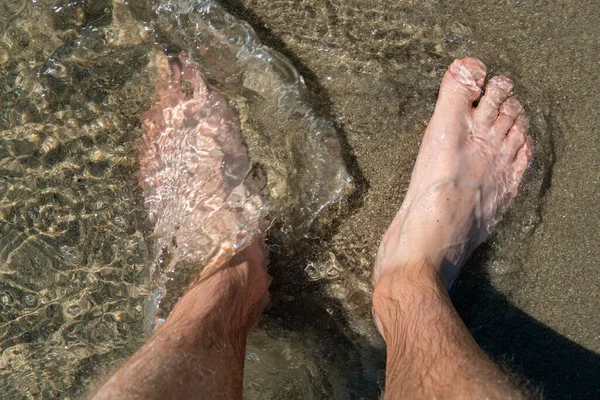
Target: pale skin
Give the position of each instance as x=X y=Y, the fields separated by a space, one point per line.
x=468 y=170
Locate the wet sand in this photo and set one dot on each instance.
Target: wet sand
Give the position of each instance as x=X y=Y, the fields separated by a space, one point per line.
x=539 y=311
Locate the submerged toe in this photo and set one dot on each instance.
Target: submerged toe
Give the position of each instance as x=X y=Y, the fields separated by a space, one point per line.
x=509 y=111
x=496 y=92
x=522 y=158
x=516 y=137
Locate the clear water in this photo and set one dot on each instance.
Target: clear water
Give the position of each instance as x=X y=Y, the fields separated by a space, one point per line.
x=77 y=244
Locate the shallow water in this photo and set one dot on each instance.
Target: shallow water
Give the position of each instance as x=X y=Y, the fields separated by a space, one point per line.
x=76 y=242
x=75 y=233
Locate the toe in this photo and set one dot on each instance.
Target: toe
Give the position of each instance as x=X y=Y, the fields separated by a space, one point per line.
x=515 y=138
x=509 y=110
x=497 y=90
x=520 y=163
x=462 y=83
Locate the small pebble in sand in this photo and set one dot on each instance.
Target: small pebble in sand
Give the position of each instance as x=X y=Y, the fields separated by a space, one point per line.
x=3 y=56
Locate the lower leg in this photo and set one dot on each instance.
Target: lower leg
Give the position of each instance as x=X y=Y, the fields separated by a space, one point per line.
x=430 y=352
x=199 y=351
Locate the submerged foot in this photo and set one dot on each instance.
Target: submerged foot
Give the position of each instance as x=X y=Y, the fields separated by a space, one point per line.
x=195 y=173
x=468 y=170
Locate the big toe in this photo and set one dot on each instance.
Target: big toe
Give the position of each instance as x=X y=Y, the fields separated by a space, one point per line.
x=462 y=83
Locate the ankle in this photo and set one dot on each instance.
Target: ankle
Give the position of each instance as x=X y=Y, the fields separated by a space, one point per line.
x=227 y=298
x=394 y=281
x=402 y=288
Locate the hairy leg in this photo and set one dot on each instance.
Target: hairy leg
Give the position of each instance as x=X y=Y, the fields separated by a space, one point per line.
x=468 y=170
x=431 y=354
x=198 y=353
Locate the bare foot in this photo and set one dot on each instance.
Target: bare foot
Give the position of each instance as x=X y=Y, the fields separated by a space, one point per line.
x=468 y=170
x=194 y=170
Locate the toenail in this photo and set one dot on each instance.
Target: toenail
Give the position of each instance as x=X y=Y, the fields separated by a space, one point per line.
x=504 y=83
x=481 y=66
x=511 y=106
x=462 y=74
x=460 y=70
x=528 y=146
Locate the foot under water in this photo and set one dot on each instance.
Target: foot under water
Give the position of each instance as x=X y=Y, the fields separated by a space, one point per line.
x=221 y=136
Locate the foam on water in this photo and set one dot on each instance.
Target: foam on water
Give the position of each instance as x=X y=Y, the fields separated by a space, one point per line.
x=299 y=151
